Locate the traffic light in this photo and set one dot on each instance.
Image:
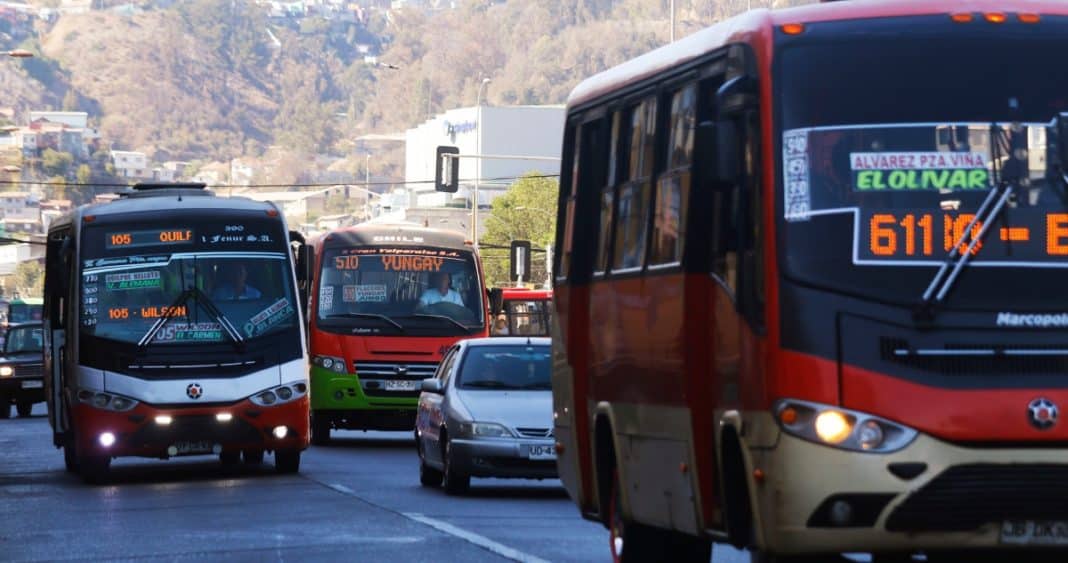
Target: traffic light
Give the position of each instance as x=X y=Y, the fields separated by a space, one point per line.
x=447 y=170
x=520 y=260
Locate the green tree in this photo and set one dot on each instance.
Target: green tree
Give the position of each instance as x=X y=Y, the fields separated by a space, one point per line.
x=29 y=279
x=56 y=163
x=85 y=174
x=527 y=211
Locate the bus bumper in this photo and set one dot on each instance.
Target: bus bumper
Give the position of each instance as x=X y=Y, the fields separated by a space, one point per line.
x=200 y=430
x=929 y=496
x=341 y=399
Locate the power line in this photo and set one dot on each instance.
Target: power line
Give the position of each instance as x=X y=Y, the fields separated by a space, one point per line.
x=275 y=186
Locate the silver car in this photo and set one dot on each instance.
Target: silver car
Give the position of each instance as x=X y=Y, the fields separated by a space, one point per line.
x=487 y=412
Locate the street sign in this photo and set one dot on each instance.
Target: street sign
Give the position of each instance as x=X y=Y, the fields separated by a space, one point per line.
x=447 y=170
x=520 y=260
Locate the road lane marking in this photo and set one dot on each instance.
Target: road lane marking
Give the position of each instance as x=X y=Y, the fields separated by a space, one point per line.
x=470 y=537
x=445 y=527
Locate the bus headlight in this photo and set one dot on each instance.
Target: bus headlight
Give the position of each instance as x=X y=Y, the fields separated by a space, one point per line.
x=841 y=428
x=106 y=401
x=279 y=395
x=336 y=365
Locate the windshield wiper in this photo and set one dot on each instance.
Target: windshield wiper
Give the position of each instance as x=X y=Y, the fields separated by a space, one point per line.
x=204 y=301
x=539 y=386
x=440 y=317
x=489 y=384
x=366 y=316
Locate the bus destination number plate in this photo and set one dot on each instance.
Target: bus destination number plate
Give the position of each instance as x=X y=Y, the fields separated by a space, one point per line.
x=401 y=385
x=1032 y=532
x=187 y=448
x=541 y=451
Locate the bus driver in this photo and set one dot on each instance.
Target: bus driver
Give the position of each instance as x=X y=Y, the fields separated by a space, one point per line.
x=440 y=292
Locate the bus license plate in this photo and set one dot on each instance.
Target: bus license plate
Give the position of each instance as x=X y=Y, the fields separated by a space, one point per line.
x=187 y=448
x=1032 y=532
x=32 y=384
x=541 y=451
x=400 y=385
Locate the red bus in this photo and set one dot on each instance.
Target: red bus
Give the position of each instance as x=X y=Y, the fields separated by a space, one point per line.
x=172 y=327
x=520 y=311
x=809 y=286
x=387 y=301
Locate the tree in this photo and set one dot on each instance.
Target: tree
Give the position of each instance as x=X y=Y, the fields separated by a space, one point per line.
x=29 y=279
x=56 y=163
x=85 y=174
x=527 y=211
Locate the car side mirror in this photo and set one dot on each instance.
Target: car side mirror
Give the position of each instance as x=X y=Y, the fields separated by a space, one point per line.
x=433 y=385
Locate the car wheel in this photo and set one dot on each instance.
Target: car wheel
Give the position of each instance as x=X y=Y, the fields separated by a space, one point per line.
x=252 y=457
x=287 y=461
x=320 y=429
x=25 y=409
x=94 y=469
x=455 y=482
x=230 y=458
x=428 y=476
x=5 y=405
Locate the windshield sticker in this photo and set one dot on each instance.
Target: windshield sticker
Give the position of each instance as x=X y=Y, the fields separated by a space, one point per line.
x=405 y=251
x=411 y=263
x=326 y=297
x=189 y=332
x=879 y=171
x=263 y=321
x=133 y=280
x=365 y=294
x=795 y=155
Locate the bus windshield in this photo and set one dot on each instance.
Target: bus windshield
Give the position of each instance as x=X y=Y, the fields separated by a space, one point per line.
x=399 y=291
x=889 y=152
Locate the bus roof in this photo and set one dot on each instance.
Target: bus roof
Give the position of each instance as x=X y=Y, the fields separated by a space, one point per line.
x=165 y=201
x=376 y=234
x=746 y=27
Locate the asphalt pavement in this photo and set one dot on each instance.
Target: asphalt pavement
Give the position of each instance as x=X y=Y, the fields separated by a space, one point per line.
x=358 y=499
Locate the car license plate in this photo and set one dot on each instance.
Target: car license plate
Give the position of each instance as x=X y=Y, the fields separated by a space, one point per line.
x=400 y=385
x=541 y=451
x=32 y=384
x=1035 y=532
x=187 y=448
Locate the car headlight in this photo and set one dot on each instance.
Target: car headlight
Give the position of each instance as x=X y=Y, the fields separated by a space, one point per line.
x=841 y=428
x=106 y=401
x=7 y=371
x=279 y=395
x=336 y=365
x=484 y=430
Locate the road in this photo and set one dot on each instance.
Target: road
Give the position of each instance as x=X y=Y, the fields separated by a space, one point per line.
x=356 y=500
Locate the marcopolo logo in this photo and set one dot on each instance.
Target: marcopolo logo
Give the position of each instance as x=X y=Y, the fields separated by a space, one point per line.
x=1046 y=320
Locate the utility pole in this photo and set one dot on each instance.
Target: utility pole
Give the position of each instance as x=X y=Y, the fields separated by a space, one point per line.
x=478 y=164
x=672 y=21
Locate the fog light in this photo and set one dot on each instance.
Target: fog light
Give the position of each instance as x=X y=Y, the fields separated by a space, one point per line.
x=841 y=513
x=224 y=417
x=164 y=420
x=832 y=427
x=870 y=435
x=107 y=439
x=172 y=451
x=280 y=432
x=338 y=395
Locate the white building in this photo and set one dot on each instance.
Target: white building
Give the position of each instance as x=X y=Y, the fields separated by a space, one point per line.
x=129 y=164
x=527 y=131
x=73 y=119
x=19 y=206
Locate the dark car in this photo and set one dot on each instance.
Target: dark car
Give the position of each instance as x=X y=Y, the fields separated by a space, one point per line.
x=21 y=380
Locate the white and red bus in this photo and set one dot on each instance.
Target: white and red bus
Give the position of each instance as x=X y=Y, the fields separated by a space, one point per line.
x=172 y=328
x=810 y=286
x=387 y=302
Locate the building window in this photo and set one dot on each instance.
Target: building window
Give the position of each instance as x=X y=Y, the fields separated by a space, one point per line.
x=673 y=188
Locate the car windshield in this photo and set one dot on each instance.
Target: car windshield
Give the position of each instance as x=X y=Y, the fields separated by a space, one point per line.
x=23 y=340
x=22 y=312
x=397 y=289
x=195 y=293
x=884 y=172
x=513 y=367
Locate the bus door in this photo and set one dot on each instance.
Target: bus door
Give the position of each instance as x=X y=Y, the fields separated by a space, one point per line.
x=59 y=271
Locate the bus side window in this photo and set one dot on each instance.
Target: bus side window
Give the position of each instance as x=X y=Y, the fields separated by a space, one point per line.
x=605 y=227
x=634 y=194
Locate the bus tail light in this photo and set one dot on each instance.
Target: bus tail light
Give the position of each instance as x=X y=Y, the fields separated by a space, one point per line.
x=841 y=428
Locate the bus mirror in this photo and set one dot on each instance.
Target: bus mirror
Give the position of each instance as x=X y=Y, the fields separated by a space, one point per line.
x=432 y=385
x=1059 y=138
x=728 y=152
x=736 y=95
x=496 y=299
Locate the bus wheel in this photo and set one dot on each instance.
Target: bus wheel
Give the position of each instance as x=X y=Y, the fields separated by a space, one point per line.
x=70 y=457
x=632 y=542
x=94 y=469
x=25 y=409
x=761 y=557
x=287 y=461
x=428 y=476
x=320 y=429
x=455 y=482
x=252 y=457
